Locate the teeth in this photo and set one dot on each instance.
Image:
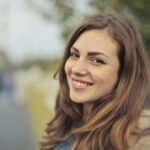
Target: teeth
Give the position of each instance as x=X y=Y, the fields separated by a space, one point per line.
x=79 y=84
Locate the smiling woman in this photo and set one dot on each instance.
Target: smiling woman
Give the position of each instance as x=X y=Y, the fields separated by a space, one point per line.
x=92 y=67
x=103 y=85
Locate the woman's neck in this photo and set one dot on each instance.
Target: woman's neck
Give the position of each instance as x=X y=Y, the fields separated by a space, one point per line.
x=87 y=107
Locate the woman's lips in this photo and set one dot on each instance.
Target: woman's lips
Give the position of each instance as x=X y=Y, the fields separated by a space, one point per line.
x=78 y=84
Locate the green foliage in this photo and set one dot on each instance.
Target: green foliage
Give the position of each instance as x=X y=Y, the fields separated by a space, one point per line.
x=45 y=65
x=64 y=8
x=68 y=15
x=98 y=5
x=140 y=9
x=4 y=62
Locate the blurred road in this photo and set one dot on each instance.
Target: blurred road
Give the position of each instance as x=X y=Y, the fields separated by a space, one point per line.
x=26 y=105
x=15 y=129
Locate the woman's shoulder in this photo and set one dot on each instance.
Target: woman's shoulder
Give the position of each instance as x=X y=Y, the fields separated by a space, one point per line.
x=142 y=144
x=144 y=123
x=144 y=120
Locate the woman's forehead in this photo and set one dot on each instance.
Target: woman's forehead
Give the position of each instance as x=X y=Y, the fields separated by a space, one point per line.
x=96 y=41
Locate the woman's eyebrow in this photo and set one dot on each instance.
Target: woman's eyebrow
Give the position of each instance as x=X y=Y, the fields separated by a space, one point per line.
x=90 y=53
x=75 y=49
x=96 y=53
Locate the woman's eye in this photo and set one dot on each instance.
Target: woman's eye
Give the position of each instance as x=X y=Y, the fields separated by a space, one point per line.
x=72 y=54
x=98 y=61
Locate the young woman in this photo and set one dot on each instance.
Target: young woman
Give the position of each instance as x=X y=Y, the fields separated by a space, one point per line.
x=103 y=86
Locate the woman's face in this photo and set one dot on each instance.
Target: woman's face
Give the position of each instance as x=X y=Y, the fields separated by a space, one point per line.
x=92 y=67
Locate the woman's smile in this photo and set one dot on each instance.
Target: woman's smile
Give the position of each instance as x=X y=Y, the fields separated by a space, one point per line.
x=80 y=84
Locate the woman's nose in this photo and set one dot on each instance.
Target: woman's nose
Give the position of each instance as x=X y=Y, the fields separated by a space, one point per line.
x=79 y=67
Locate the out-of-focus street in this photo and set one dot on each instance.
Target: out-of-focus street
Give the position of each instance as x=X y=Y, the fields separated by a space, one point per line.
x=26 y=105
x=15 y=127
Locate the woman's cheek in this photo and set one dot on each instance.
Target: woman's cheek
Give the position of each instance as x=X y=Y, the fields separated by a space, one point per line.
x=68 y=66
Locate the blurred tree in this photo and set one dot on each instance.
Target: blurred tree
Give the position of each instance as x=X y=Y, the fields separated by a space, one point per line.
x=59 y=11
x=4 y=62
x=68 y=13
x=140 y=10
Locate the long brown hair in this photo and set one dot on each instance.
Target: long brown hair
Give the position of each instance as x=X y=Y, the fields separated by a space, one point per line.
x=114 y=119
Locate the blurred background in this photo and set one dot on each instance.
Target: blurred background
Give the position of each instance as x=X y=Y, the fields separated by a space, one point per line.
x=33 y=34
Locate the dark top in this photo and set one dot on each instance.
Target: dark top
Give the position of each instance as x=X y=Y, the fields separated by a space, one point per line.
x=66 y=145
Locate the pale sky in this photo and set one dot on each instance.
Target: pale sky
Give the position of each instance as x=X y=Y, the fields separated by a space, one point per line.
x=25 y=35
